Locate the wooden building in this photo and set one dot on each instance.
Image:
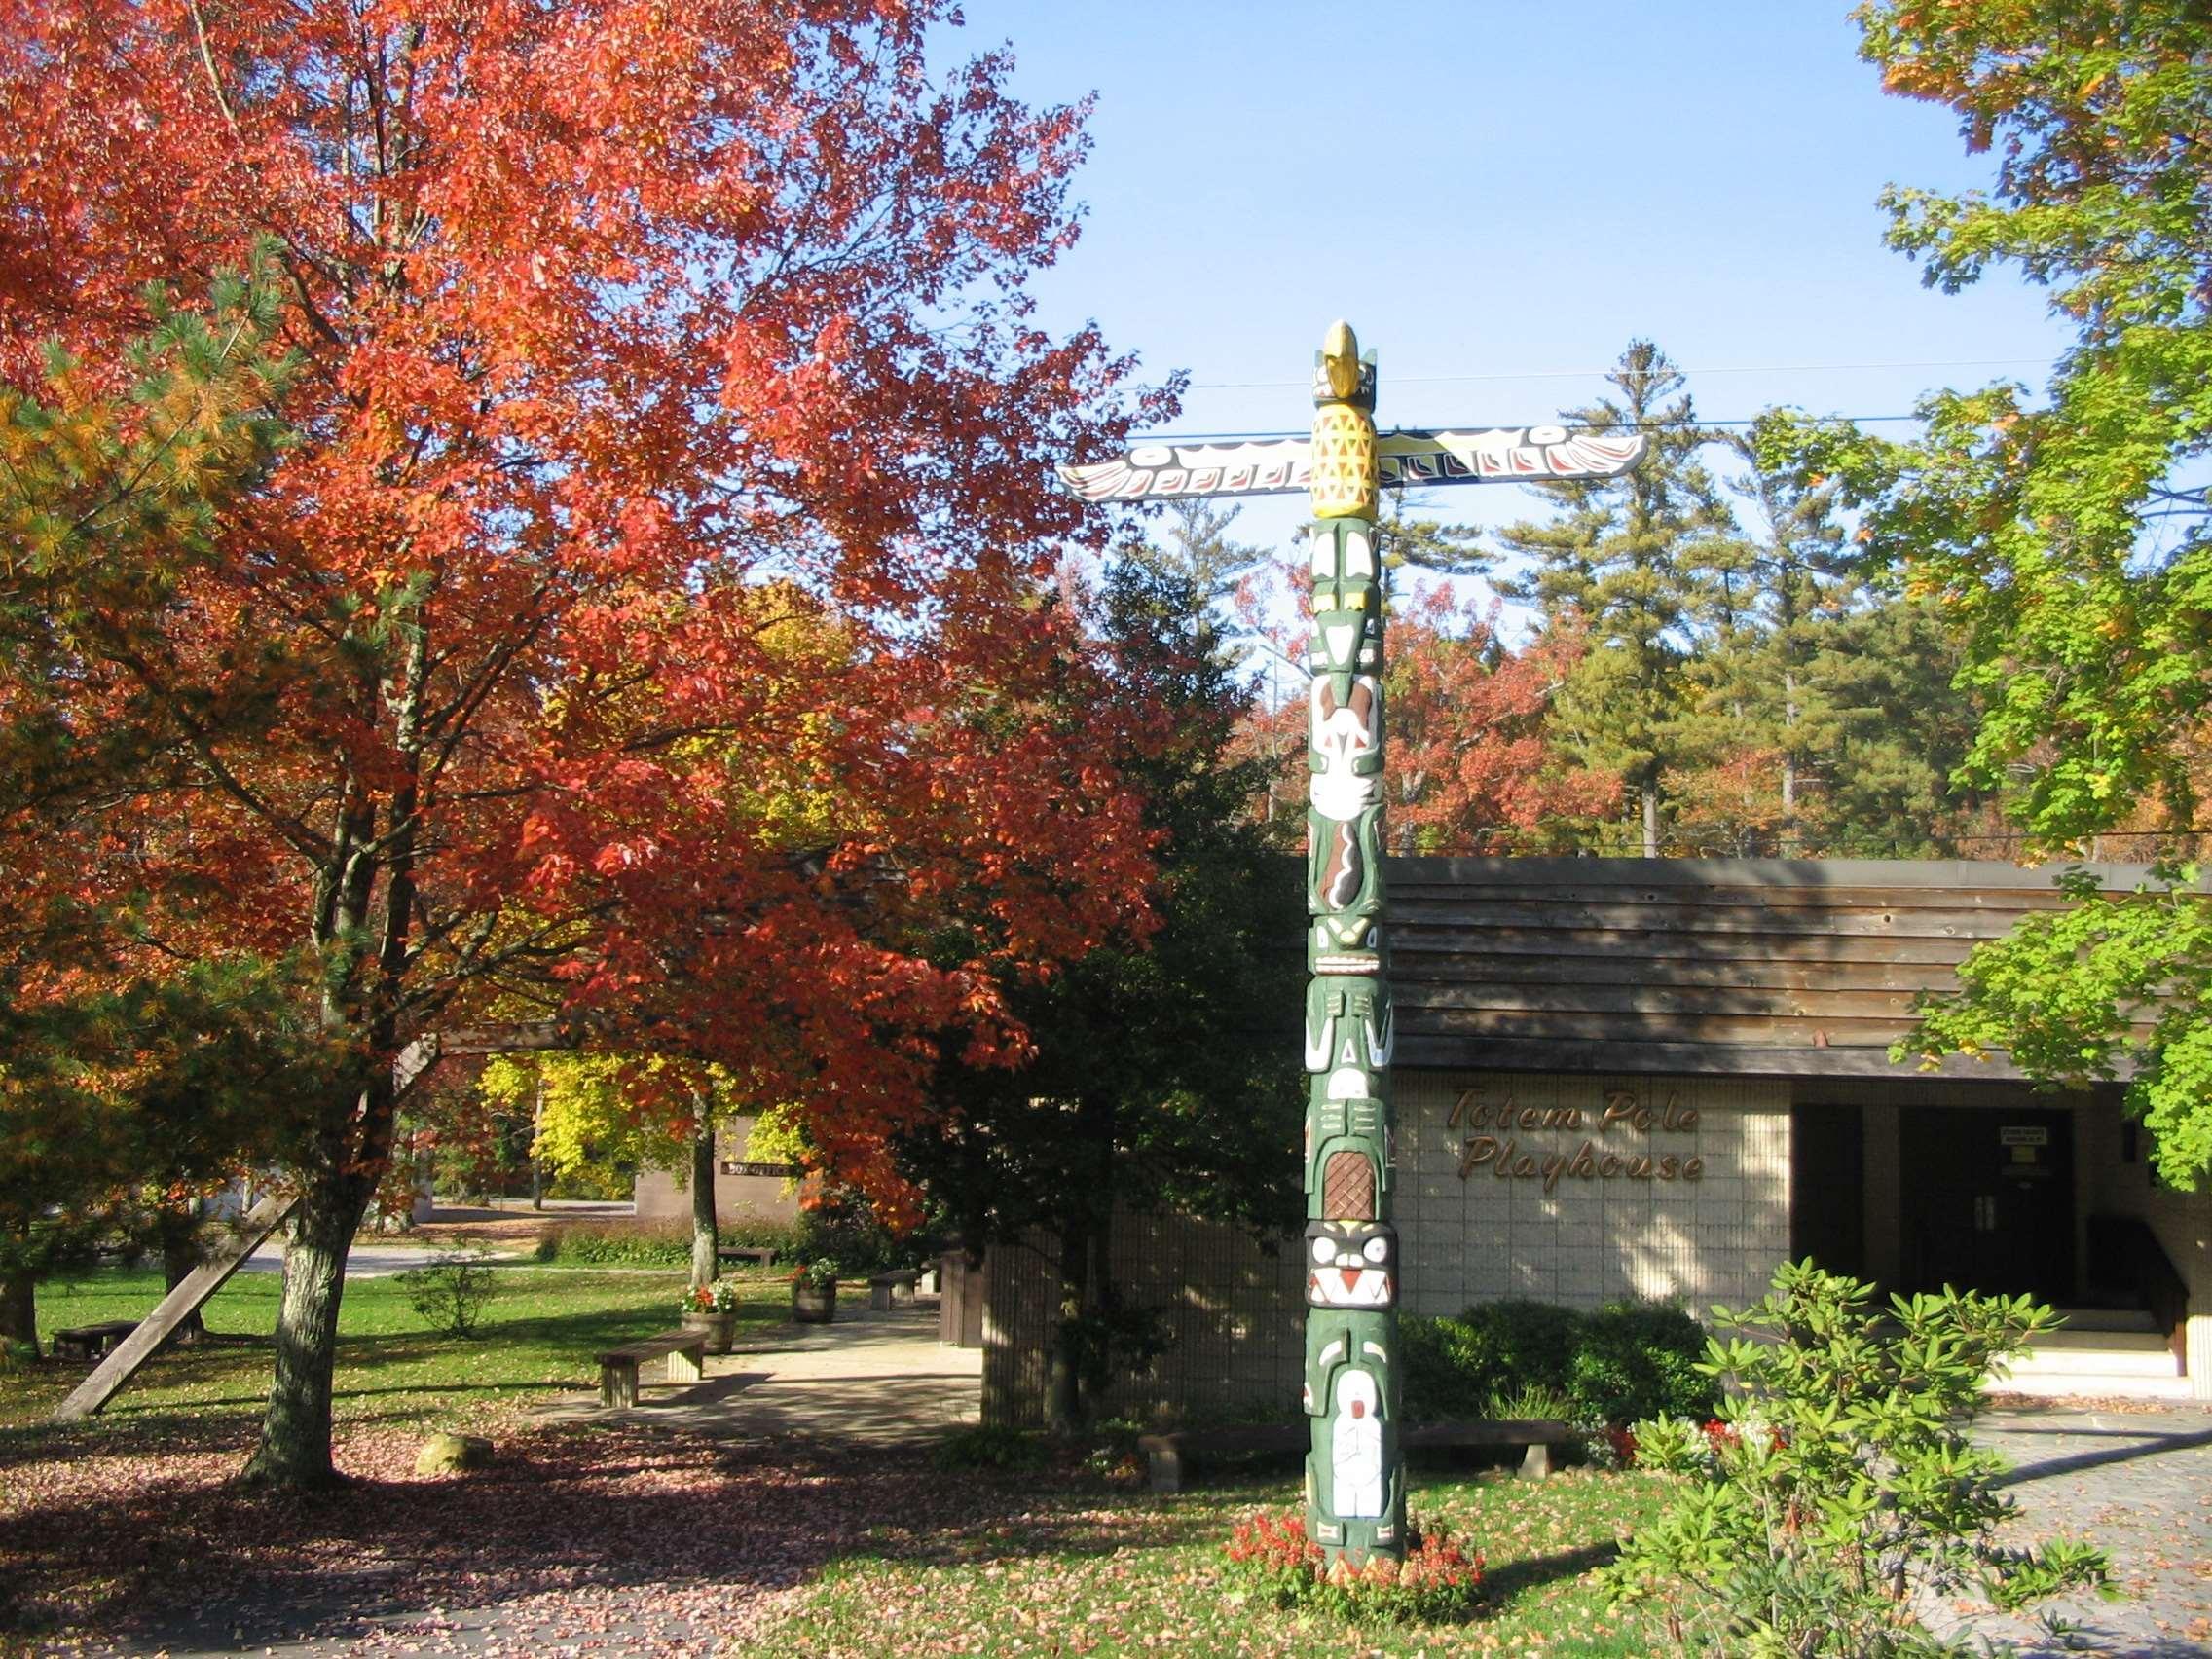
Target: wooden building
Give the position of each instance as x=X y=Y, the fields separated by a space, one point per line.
x=1658 y=1078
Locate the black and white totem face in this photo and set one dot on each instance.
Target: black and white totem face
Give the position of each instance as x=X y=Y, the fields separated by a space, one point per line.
x=1352 y=1264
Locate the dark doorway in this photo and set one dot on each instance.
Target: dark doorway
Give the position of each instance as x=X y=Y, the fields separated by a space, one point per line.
x=1826 y=1188
x=1988 y=1199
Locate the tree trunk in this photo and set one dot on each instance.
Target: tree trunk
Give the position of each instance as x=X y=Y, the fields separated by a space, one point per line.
x=294 y=1450
x=537 y=1128
x=19 y=1309
x=704 y=1241
x=1064 y=1399
x=181 y=1255
x=1789 y=838
x=1098 y=1295
x=1788 y=806
x=1650 y=793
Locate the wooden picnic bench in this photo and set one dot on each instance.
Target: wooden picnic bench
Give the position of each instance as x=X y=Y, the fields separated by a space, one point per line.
x=759 y=1255
x=1165 y=1453
x=687 y=1352
x=91 y=1341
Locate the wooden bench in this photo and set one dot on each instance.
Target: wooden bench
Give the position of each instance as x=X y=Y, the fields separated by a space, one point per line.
x=687 y=1352
x=894 y=1289
x=759 y=1255
x=1165 y=1453
x=91 y=1341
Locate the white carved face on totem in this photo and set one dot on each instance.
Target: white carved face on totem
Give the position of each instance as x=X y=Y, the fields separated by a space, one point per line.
x=1350 y=1264
x=1342 y=735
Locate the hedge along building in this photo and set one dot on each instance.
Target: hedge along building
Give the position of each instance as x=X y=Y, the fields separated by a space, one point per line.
x=1660 y=1078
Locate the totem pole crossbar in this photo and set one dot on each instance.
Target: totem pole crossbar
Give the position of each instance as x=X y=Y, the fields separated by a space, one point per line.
x=1355 y=1496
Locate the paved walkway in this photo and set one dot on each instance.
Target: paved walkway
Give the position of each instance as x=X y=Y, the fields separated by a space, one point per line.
x=2139 y=1485
x=869 y=1377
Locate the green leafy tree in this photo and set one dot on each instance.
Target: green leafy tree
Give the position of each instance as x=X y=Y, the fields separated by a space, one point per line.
x=657 y=1110
x=2068 y=538
x=1631 y=563
x=1165 y=1074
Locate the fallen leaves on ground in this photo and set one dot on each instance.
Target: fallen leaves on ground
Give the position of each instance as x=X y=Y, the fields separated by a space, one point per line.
x=617 y=1539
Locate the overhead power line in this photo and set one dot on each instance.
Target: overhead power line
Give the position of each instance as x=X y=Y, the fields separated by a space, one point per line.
x=1256 y=437
x=1583 y=374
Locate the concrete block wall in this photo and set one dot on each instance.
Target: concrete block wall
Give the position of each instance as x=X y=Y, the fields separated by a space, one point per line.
x=1589 y=1209
x=1714 y=1234
x=762 y=1198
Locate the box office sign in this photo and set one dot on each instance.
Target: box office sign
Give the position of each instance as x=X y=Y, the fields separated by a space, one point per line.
x=1618 y=1141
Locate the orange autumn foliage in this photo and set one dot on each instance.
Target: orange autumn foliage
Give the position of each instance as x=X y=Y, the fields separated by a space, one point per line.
x=610 y=315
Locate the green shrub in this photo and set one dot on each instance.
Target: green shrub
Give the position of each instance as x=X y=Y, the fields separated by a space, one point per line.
x=1638 y=1359
x=988 y=1446
x=1839 y=1497
x=1622 y=1361
x=619 y=1244
x=787 y=1239
x=859 y=1244
x=451 y=1292
x=1532 y=1400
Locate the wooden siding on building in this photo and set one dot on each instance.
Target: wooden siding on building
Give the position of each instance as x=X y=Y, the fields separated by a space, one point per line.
x=1743 y=967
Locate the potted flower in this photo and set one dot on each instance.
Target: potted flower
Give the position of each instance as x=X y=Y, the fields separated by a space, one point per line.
x=814 y=1292
x=712 y=1308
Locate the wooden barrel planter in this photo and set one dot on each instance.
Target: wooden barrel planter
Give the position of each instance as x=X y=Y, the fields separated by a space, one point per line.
x=814 y=1304
x=719 y=1329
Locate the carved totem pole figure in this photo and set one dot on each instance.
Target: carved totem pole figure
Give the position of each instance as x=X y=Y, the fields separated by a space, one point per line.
x=1355 y=1494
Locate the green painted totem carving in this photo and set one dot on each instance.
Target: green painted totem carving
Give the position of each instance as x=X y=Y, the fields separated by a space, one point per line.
x=1354 y=1483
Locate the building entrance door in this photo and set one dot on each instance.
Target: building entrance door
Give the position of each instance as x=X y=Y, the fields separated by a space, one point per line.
x=1989 y=1200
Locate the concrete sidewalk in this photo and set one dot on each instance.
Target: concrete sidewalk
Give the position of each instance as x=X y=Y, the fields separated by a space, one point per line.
x=2137 y=1483
x=864 y=1379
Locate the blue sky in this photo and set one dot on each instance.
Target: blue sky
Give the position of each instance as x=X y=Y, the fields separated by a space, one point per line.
x=1488 y=190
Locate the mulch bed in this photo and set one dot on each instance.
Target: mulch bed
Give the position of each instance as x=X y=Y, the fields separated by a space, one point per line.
x=129 y=1539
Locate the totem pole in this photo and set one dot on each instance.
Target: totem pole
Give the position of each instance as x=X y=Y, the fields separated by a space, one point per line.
x=1355 y=1497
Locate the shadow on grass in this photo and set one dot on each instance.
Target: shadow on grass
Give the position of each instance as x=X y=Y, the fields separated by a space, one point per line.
x=1517 y=1579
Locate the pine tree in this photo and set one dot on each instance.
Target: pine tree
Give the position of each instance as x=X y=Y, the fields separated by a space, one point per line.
x=1632 y=561
x=1197 y=548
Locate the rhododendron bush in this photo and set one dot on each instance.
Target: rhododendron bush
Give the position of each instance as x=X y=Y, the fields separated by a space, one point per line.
x=639 y=346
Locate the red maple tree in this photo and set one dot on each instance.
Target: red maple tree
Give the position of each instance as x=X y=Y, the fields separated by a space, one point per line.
x=613 y=316
x=1471 y=768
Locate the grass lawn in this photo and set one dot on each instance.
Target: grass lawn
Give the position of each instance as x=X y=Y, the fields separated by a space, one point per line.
x=123 y=1529
x=539 y=1332
x=1080 y=1573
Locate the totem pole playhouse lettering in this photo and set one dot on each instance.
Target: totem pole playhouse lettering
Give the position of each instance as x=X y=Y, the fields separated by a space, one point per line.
x=1355 y=1499
x=1502 y=1157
